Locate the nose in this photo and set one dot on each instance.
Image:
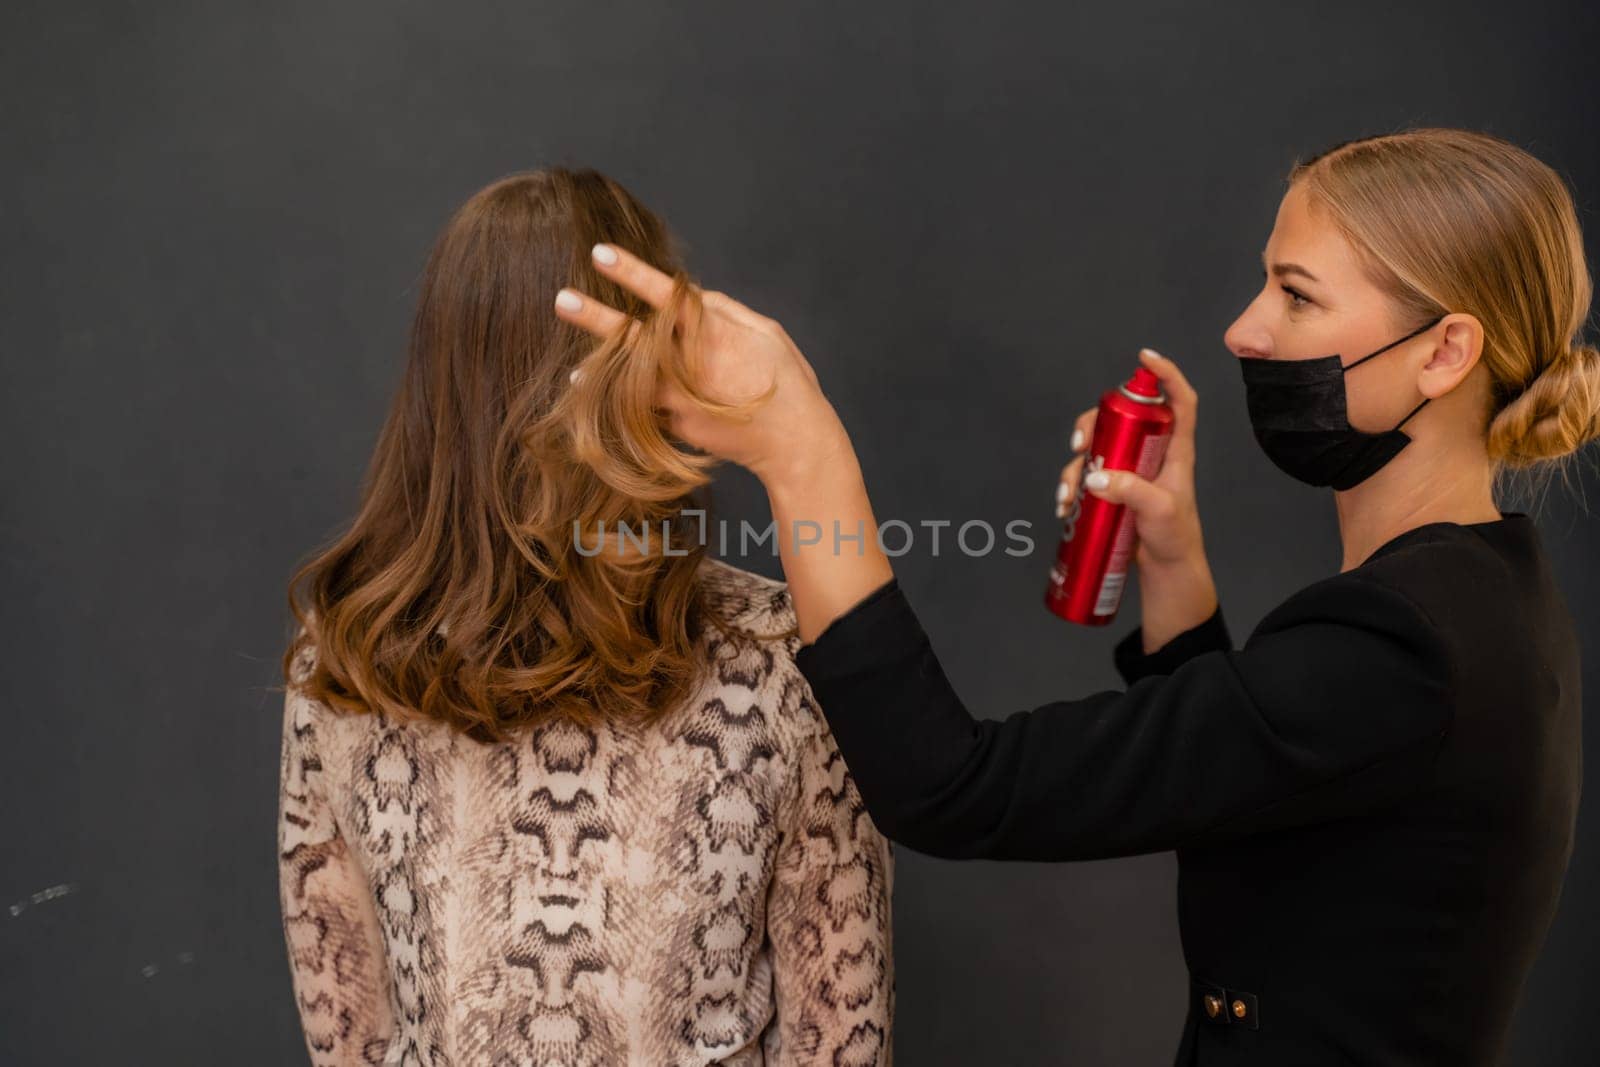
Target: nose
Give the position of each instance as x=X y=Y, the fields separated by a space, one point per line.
x=1248 y=337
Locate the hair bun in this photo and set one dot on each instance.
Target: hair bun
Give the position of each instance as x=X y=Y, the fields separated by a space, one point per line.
x=1555 y=415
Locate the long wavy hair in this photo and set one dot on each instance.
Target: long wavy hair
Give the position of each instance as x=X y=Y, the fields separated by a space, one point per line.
x=486 y=581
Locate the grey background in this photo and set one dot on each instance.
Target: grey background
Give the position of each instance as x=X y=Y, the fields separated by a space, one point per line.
x=969 y=216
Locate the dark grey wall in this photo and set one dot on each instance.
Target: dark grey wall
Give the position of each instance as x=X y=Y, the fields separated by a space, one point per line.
x=969 y=216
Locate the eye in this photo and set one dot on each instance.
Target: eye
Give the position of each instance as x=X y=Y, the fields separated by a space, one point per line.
x=1297 y=299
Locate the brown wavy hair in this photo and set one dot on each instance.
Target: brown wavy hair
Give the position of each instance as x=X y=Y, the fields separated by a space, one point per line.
x=485 y=581
x=1448 y=220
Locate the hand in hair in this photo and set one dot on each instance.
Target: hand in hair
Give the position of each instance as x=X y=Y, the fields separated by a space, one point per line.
x=754 y=399
x=749 y=396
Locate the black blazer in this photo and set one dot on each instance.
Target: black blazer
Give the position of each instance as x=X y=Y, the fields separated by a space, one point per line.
x=1372 y=801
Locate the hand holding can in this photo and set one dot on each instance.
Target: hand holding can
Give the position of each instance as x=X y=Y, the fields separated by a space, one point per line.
x=1137 y=467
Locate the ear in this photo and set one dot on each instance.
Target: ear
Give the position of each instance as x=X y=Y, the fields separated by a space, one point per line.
x=1455 y=354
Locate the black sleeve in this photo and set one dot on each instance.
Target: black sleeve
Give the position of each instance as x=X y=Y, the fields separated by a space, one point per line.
x=1336 y=704
x=1134 y=663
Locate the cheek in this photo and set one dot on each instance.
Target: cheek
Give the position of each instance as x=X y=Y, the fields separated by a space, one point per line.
x=1375 y=397
x=1362 y=402
x=1312 y=332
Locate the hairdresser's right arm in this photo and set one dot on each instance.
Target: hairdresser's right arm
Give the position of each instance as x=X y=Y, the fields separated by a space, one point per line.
x=1336 y=706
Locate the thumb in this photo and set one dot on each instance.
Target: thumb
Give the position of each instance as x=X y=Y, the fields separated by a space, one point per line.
x=1126 y=487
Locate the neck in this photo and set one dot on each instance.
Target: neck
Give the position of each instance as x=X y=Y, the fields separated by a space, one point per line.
x=1424 y=483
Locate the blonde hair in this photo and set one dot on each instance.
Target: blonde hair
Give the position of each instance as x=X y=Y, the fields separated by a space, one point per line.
x=468 y=589
x=1451 y=220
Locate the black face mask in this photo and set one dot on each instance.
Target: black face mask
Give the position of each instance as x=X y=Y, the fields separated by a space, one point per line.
x=1297 y=408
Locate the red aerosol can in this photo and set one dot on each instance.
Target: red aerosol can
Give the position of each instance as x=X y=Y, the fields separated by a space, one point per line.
x=1131 y=431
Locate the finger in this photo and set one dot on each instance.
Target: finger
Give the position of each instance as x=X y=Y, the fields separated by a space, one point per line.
x=1185 y=405
x=1068 y=486
x=633 y=274
x=1126 y=487
x=588 y=314
x=1071 y=469
x=1083 y=430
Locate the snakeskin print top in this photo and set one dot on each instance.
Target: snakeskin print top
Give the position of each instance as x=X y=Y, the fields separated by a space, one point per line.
x=705 y=889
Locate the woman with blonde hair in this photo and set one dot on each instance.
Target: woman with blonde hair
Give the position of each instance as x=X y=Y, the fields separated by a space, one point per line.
x=1372 y=802
x=553 y=790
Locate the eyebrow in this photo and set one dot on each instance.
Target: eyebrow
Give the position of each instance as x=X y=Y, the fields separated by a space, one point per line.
x=1281 y=269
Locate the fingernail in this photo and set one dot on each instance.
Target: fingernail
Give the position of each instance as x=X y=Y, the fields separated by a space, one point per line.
x=1098 y=480
x=1077 y=440
x=605 y=254
x=1063 y=494
x=1152 y=353
x=573 y=375
x=567 y=300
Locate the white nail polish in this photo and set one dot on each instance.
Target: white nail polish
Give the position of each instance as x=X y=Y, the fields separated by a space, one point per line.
x=1077 y=440
x=574 y=374
x=1097 y=480
x=567 y=300
x=605 y=254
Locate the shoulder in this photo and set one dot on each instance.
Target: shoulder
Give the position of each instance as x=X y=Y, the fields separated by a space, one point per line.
x=299 y=708
x=1359 y=623
x=309 y=723
x=750 y=646
x=1362 y=641
x=1395 y=592
x=747 y=600
x=749 y=630
x=1438 y=553
x=1431 y=592
x=1494 y=602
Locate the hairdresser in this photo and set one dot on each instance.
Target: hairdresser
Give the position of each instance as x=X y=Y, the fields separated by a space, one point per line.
x=1372 y=801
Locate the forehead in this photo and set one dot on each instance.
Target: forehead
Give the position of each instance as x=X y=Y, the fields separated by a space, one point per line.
x=1305 y=233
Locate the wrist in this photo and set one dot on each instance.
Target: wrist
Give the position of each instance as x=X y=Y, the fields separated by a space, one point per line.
x=1175 y=597
x=820 y=449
